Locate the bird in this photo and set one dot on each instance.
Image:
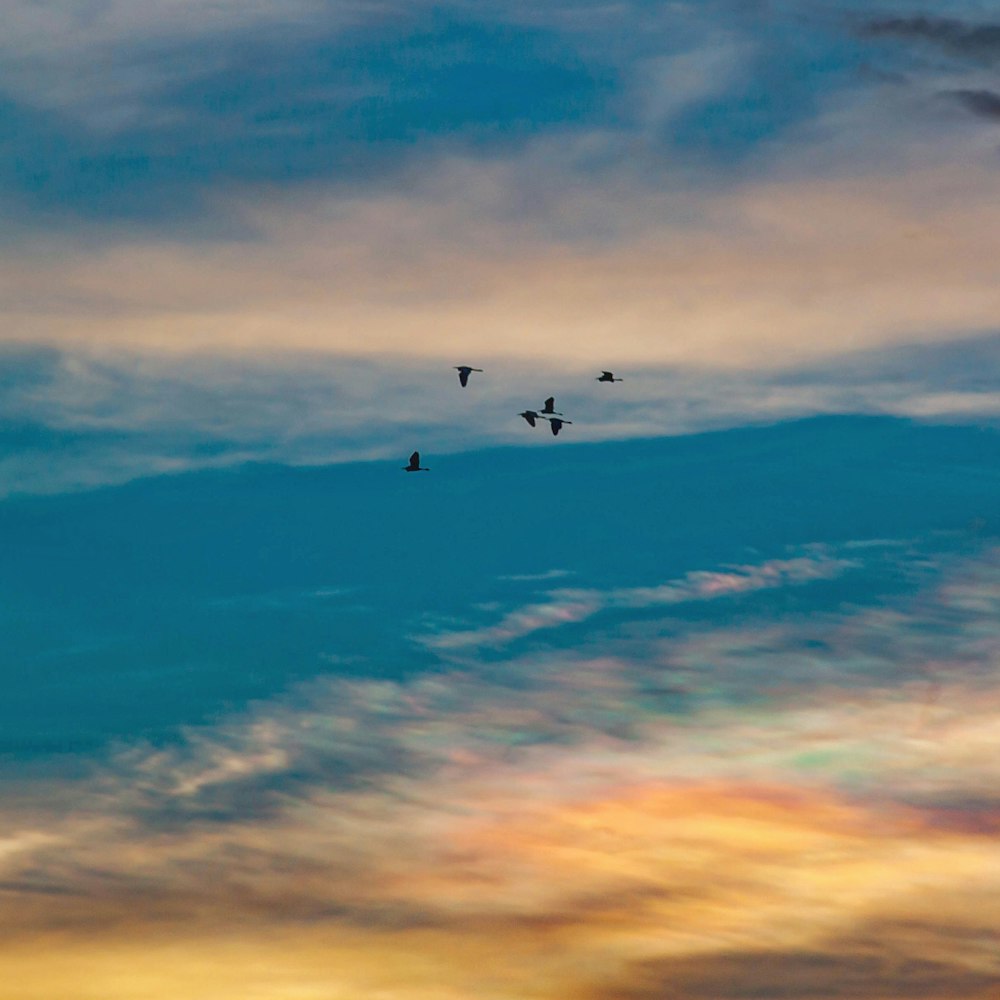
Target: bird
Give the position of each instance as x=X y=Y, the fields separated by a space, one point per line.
x=548 y=407
x=556 y=424
x=530 y=416
x=414 y=465
x=608 y=377
x=463 y=373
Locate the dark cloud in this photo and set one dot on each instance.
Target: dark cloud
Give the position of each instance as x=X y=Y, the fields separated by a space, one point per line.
x=980 y=42
x=859 y=970
x=36 y=887
x=342 y=767
x=984 y=103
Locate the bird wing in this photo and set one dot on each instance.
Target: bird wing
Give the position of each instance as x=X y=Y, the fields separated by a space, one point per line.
x=555 y=425
x=415 y=459
x=608 y=374
x=550 y=402
x=463 y=376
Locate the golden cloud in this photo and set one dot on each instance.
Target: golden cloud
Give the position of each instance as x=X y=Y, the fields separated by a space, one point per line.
x=467 y=834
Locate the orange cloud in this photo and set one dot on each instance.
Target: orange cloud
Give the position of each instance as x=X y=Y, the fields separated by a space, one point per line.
x=537 y=833
x=557 y=902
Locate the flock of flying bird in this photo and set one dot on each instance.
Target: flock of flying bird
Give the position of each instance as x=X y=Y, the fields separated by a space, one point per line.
x=547 y=412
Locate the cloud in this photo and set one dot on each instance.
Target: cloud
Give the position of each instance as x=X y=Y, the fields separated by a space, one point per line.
x=984 y=103
x=282 y=107
x=478 y=260
x=58 y=56
x=570 y=606
x=322 y=337
x=863 y=966
x=546 y=822
x=80 y=419
x=147 y=119
x=551 y=574
x=111 y=115
x=961 y=38
x=304 y=317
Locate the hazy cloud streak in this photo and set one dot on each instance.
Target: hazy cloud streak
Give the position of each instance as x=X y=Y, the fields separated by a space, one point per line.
x=567 y=606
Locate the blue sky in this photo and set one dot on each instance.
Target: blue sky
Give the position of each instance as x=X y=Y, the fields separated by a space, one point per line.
x=218 y=587
x=699 y=696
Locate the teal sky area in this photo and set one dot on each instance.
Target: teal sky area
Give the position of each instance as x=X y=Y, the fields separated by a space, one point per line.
x=137 y=609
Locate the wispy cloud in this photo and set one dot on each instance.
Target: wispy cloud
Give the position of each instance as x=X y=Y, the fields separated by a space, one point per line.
x=967 y=38
x=984 y=103
x=551 y=574
x=86 y=418
x=155 y=119
x=569 y=606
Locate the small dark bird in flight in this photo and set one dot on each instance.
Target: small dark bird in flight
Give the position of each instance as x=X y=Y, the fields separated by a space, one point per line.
x=556 y=424
x=530 y=416
x=463 y=373
x=608 y=377
x=548 y=407
x=414 y=465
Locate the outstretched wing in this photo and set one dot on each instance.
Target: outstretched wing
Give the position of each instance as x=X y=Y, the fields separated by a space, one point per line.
x=550 y=403
x=415 y=460
x=608 y=374
x=555 y=425
x=463 y=376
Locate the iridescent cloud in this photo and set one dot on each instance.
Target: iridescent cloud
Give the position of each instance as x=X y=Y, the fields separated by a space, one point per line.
x=546 y=824
x=568 y=606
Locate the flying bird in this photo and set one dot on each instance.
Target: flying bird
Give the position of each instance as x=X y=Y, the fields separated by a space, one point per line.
x=414 y=465
x=556 y=424
x=548 y=407
x=608 y=377
x=464 y=371
x=530 y=416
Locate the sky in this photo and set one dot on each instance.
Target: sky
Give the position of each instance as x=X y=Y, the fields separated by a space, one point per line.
x=697 y=700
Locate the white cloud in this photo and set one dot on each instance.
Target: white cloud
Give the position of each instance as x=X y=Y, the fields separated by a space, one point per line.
x=552 y=574
x=117 y=415
x=103 y=62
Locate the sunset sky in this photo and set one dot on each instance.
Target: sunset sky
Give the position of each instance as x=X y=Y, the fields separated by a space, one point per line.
x=699 y=700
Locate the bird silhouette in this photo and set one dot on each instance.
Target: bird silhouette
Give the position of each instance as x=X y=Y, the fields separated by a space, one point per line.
x=608 y=377
x=463 y=373
x=530 y=416
x=556 y=424
x=548 y=407
x=414 y=465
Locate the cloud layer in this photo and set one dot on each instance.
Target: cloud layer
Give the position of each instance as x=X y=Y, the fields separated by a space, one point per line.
x=213 y=216
x=565 y=606
x=820 y=798
x=82 y=419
